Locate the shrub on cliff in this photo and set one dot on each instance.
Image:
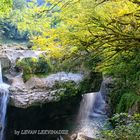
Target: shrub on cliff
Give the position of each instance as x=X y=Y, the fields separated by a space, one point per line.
x=33 y=66
x=125 y=127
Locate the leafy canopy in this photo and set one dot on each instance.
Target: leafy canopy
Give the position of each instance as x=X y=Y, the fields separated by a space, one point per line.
x=103 y=35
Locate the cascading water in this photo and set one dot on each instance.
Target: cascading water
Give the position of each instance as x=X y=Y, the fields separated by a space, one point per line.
x=4 y=93
x=93 y=113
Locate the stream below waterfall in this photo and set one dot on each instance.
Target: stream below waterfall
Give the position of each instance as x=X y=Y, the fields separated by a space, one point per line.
x=92 y=113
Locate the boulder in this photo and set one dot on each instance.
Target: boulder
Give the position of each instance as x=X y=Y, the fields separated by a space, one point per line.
x=35 y=83
x=80 y=136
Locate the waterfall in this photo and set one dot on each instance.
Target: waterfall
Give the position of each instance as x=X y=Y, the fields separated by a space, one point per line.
x=92 y=113
x=3 y=104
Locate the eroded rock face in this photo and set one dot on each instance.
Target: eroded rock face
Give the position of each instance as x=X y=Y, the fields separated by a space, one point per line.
x=40 y=90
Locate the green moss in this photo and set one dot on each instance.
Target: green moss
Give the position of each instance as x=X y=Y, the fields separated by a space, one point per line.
x=71 y=89
x=127 y=101
x=89 y=84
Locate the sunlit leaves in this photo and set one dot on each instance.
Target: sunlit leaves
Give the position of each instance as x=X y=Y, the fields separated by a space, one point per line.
x=5 y=7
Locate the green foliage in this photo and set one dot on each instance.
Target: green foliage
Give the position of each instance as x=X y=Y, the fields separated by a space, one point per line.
x=33 y=66
x=5 y=7
x=127 y=101
x=10 y=31
x=115 y=97
x=8 y=28
x=126 y=127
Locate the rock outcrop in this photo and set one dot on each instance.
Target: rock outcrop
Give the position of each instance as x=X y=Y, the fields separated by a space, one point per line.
x=35 y=83
x=35 y=90
x=40 y=90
